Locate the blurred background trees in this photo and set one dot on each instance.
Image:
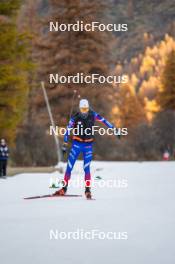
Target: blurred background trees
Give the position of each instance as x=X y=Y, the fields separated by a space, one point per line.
x=166 y=96
x=14 y=68
x=146 y=54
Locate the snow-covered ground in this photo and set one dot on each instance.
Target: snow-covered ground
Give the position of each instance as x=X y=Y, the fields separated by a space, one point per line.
x=140 y=207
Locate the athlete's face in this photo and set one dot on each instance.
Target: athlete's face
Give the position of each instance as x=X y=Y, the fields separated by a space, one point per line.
x=84 y=110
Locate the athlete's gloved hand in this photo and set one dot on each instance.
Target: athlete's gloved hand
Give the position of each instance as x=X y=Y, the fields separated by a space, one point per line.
x=64 y=147
x=118 y=137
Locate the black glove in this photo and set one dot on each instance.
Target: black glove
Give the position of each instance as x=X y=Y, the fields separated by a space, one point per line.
x=64 y=148
x=118 y=136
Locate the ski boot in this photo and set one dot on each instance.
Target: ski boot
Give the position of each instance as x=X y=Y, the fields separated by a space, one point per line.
x=88 y=193
x=61 y=192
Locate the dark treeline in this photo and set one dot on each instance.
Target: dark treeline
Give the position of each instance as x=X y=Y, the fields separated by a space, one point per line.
x=145 y=53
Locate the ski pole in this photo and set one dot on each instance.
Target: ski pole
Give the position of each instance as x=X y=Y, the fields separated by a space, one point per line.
x=72 y=105
x=57 y=143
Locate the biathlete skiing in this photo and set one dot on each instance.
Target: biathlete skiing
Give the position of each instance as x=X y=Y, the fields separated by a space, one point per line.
x=84 y=120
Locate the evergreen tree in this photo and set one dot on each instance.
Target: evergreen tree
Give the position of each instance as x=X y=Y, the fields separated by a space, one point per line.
x=166 y=97
x=130 y=8
x=68 y=53
x=8 y=7
x=13 y=70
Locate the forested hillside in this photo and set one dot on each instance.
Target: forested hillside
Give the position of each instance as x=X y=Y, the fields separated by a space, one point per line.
x=14 y=70
x=144 y=53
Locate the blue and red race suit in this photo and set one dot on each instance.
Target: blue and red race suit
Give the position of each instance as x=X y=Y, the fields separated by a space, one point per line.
x=82 y=143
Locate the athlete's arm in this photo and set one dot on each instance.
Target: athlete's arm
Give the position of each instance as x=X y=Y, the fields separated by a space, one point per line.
x=101 y=119
x=69 y=126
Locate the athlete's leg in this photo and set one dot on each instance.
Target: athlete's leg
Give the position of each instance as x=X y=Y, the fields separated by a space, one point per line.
x=1 y=167
x=73 y=155
x=87 y=155
x=4 y=167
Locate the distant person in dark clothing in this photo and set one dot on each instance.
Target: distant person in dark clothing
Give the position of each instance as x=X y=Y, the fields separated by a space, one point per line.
x=4 y=154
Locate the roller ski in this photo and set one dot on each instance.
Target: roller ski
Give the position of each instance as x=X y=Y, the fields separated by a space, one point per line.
x=61 y=192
